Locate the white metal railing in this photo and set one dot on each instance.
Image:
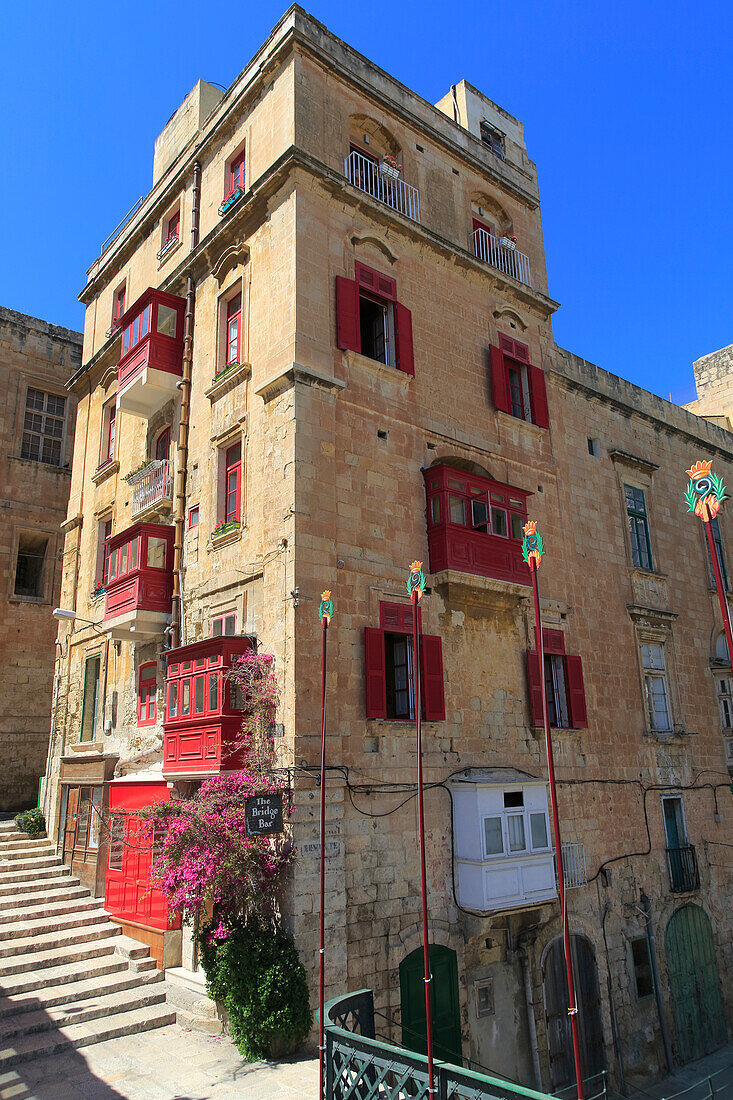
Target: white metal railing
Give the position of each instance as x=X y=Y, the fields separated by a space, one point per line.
x=387 y=188
x=501 y=256
x=573 y=863
x=154 y=486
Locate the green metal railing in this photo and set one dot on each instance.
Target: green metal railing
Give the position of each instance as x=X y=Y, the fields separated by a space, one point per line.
x=360 y=1067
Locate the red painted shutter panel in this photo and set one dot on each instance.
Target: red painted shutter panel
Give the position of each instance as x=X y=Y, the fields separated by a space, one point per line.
x=432 y=678
x=535 y=688
x=576 y=692
x=553 y=641
x=538 y=392
x=403 y=327
x=499 y=388
x=347 y=314
x=376 y=683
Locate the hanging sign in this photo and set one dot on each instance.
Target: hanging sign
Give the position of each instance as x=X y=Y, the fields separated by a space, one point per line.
x=264 y=813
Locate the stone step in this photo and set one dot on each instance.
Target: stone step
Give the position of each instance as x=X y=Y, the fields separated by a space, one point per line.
x=102 y=984
x=26 y=847
x=102 y=929
x=64 y=974
x=10 y=880
x=37 y=1045
x=28 y=863
x=31 y=895
x=48 y=908
x=36 y=926
x=43 y=960
x=81 y=1011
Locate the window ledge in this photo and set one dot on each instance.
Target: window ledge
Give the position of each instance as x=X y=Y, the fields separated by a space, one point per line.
x=103 y=472
x=168 y=249
x=354 y=359
x=400 y=723
x=508 y=419
x=226 y=537
x=28 y=599
x=667 y=735
x=36 y=462
x=87 y=746
x=230 y=376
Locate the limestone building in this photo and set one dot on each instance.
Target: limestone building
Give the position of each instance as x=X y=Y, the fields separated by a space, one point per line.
x=322 y=348
x=36 y=447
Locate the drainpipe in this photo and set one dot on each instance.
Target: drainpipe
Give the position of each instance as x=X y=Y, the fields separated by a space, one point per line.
x=179 y=502
x=612 y=1006
x=524 y=963
x=646 y=907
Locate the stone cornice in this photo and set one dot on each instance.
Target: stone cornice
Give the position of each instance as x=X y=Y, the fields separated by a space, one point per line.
x=623 y=458
x=287 y=378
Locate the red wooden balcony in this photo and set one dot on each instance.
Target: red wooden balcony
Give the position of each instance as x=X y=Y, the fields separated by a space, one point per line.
x=139 y=581
x=152 y=352
x=203 y=709
x=475 y=525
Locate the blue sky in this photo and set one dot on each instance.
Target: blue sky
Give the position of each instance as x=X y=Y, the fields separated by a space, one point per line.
x=626 y=110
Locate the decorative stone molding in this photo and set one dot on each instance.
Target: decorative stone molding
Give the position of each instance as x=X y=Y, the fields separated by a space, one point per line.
x=231 y=257
x=228 y=379
x=368 y=237
x=103 y=472
x=649 y=589
x=286 y=379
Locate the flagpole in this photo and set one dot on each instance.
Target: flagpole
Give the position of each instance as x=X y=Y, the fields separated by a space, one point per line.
x=415 y=589
x=533 y=549
x=325 y=611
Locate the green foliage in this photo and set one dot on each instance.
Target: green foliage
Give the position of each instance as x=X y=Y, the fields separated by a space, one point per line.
x=690 y=497
x=255 y=971
x=31 y=822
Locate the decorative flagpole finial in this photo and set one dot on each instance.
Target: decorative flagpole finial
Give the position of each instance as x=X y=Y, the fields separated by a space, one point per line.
x=705 y=492
x=325 y=608
x=532 y=545
x=416 y=580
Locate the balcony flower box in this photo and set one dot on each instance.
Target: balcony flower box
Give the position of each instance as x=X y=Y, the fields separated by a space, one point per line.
x=224 y=371
x=98 y=591
x=222 y=529
x=390 y=168
x=508 y=242
x=139 y=472
x=168 y=246
x=230 y=200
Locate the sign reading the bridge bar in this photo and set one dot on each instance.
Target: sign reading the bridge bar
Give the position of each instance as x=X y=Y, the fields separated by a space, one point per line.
x=264 y=813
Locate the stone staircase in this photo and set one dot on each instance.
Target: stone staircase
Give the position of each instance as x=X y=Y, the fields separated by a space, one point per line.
x=68 y=977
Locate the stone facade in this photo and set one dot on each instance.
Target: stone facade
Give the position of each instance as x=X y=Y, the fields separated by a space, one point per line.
x=36 y=358
x=714 y=385
x=334 y=446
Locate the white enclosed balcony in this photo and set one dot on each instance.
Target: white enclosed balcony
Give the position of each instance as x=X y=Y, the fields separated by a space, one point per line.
x=383 y=183
x=502 y=253
x=152 y=489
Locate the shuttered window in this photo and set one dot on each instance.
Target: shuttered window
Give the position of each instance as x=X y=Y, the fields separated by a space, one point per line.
x=388 y=654
x=371 y=321
x=147 y=690
x=564 y=687
x=518 y=387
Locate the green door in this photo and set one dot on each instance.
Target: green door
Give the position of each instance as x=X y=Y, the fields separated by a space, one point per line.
x=444 y=1003
x=693 y=977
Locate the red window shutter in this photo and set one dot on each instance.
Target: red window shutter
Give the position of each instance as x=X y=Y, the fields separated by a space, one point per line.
x=376 y=683
x=576 y=692
x=347 y=314
x=512 y=347
x=538 y=394
x=499 y=388
x=553 y=641
x=396 y=618
x=403 y=334
x=374 y=281
x=535 y=688
x=432 y=678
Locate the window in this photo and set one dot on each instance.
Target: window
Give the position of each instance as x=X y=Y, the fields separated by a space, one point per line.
x=118 y=304
x=372 y=322
x=233 y=484
x=484 y=997
x=174 y=227
x=43 y=427
x=116 y=841
x=147 y=688
x=725 y=701
x=721 y=649
x=389 y=668
x=109 y=417
x=715 y=528
x=90 y=700
x=193 y=517
x=235 y=175
x=104 y=530
x=518 y=387
x=122 y=559
x=492 y=139
x=224 y=624
x=515 y=830
x=641 y=549
x=163 y=445
x=157 y=552
x=642 y=967
x=166 y=321
x=233 y=330
x=137 y=330
x=29 y=578
x=594 y=447
x=564 y=686
x=655 y=686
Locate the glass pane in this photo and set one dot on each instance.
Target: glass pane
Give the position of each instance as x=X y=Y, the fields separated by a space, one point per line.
x=493 y=845
x=113 y=565
x=457 y=510
x=517 y=524
x=498 y=522
x=538 y=830
x=216 y=628
x=480 y=515
x=166 y=321
x=198 y=705
x=230 y=623
x=133 y=554
x=513 y=799
x=156 y=552
x=213 y=693
x=116 y=841
x=96 y=817
x=435 y=509
x=173 y=701
x=145 y=322
x=186 y=697
x=517 y=842
x=123 y=558
x=200 y=662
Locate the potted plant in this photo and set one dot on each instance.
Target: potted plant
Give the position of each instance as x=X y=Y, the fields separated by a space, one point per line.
x=390 y=167
x=98 y=590
x=224 y=527
x=508 y=242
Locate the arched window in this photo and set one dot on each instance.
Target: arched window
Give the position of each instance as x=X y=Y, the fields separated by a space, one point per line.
x=721 y=648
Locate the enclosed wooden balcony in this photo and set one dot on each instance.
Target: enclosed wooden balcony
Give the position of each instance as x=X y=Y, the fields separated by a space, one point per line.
x=152 y=353
x=139 y=582
x=203 y=709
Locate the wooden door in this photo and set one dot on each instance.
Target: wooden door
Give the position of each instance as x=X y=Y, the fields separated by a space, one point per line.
x=445 y=1004
x=557 y=1002
x=695 y=985
x=72 y=810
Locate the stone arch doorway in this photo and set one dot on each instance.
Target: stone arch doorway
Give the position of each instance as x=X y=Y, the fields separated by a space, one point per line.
x=445 y=1003
x=559 y=1034
x=693 y=977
